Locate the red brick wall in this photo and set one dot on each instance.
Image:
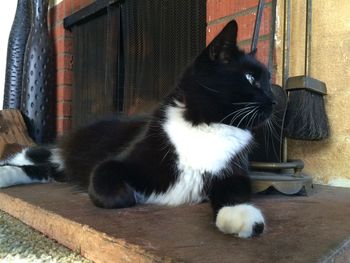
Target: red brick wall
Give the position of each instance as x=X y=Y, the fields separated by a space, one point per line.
x=64 y=59
x=219 y=12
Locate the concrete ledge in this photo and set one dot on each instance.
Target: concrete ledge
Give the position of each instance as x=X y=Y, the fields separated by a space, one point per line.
x=300 y=229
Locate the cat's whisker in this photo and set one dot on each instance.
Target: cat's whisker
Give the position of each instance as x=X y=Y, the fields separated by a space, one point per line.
x=206 y=87
x=165 y=155
x=272 y=132
x=251 y=121
x=236 y=111
x=239 y=114
x=250 y=112
x=269 y=132
x=245 y=103
x=272 y=122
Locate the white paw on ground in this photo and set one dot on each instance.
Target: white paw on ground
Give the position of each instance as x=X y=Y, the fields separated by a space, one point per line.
x=243 y=220
x=13 y=175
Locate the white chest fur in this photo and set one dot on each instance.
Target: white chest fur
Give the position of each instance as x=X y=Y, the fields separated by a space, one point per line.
x=203 y=148
x=200 y=149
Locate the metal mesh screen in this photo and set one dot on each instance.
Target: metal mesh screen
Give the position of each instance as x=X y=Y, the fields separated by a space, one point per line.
x=160 y=37
x=96 y=52
x=127 y=56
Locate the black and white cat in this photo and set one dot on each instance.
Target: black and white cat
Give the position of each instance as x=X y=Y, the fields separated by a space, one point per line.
x=194 y=147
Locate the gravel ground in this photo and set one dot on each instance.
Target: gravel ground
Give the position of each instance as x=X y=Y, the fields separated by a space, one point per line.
x=22 y=244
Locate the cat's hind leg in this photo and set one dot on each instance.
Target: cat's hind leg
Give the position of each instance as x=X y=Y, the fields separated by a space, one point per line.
x=233 y=213
x=32 y=165
x=109 y=185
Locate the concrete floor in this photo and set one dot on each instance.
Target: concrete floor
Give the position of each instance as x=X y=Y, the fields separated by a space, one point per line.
x=299 y=228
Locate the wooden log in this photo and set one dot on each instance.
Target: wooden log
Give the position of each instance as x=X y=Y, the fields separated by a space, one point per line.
x=13 y=133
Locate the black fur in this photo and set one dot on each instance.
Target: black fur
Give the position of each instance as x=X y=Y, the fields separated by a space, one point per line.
x=38 y=171
x=231 y=190
x=258 y=229
x=38 y=154
x=102 y=141
x=108 y=189
x=43 y=168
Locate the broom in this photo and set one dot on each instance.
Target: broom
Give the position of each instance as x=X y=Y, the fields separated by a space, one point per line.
x=306 y=117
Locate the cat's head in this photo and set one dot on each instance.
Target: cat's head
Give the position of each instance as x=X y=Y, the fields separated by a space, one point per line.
x=226 y=85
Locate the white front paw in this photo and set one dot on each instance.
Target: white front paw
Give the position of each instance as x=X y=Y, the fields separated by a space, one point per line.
x=244 y=220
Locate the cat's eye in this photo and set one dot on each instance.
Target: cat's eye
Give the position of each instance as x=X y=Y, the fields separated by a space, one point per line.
x=250 y=78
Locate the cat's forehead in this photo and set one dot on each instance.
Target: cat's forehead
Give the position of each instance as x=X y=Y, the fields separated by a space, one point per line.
x=249 y=63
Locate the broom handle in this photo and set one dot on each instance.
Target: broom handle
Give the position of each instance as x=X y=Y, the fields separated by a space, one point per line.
x=308 y=21
x=272 y=38
x=286 y=41
x=285 y=69
x=259 y=13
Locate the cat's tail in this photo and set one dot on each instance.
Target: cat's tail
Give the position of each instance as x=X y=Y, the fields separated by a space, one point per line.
x=32 y=165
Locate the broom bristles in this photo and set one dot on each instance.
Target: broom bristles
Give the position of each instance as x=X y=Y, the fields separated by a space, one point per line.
x=306 y=117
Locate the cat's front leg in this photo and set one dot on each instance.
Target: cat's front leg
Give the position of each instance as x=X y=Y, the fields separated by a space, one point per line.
x=233 y=214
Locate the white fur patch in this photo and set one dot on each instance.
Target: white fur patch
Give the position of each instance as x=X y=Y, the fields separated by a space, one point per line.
x=19 y=159
x=57 y=159
x=239 y=219
x=187 y=189
x=12 y=175
x=201 y=149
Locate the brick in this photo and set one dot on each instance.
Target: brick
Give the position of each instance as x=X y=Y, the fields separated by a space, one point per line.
x=64 y=93
x=76 y=5
x=263 y=50
x=64 y=109
x=56 y=14
x=220 y=8
x=64 y=45
x=60 y=12
x=64 y=77
x=64 y=61
x=87 y=2
x=245 y=26
x=63 y=125
x=58 y=32
x=73 y=6
x=68 y=7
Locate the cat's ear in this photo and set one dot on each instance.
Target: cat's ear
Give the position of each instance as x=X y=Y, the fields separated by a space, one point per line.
x=224 y=45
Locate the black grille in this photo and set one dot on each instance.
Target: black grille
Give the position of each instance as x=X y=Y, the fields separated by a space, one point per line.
x=128 y=56
x=160 y=37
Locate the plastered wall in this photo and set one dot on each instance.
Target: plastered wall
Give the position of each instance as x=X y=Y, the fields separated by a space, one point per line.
x=327 y=161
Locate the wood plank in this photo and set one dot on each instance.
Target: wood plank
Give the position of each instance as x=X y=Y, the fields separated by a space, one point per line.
x=13 y=133
x=300 y=229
